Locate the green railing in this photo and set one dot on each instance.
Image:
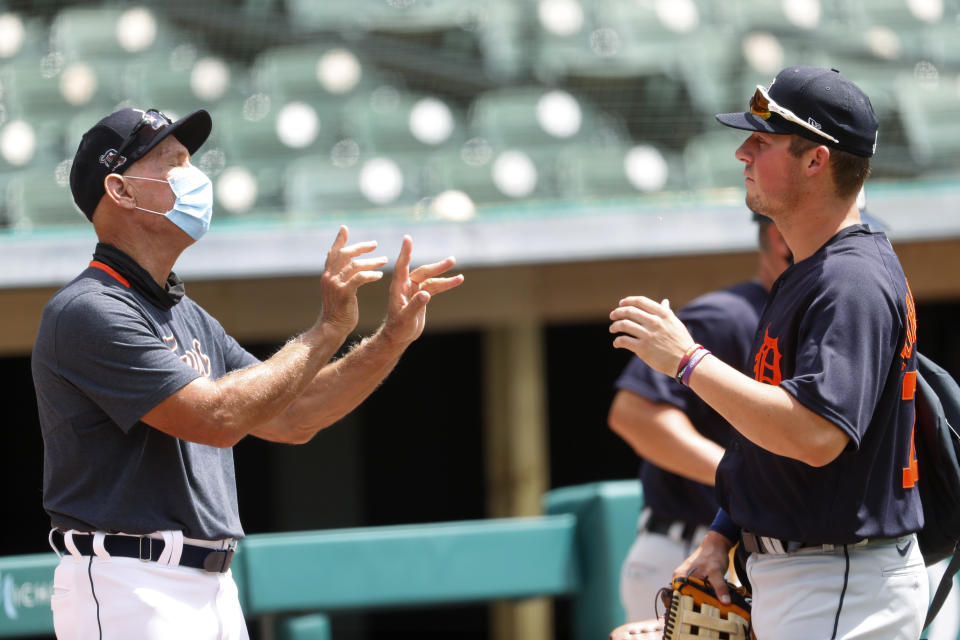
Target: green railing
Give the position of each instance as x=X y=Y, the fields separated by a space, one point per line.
x=574 y=551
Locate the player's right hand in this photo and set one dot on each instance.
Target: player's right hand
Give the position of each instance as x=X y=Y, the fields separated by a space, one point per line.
x=710 y=561
x=344 y=273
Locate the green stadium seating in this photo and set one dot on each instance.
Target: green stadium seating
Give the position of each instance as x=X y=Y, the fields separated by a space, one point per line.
x=37 y=199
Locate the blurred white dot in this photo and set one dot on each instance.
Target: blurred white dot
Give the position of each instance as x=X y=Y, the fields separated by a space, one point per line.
x=646 y=168
x=476 y=152
x=136 y=29
x=18 y=143
x=680 y=16
x=381 y=180
x=338 y=71
x=210 y=78
x=763 y=52
x=453 y=205
x=883 y=42
x=802 y=13
x=212 y=161
x=431 y=121
x=61 y=174
x=297 y=125
x=345 y=153
x=560 y=17
x=256 y=107
x=926 y=10
x=236 y=189
x=78 y=83
x=559 y=114
x=514 y=174
x=11 y=35
x=605 y=42
x=51 y=64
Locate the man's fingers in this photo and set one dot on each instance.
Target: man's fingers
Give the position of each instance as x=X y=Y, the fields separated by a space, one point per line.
x=357 y=265
x=438 y=285
x=427 y=271
x=645 y=304
x=401 y=270
x=361 y=278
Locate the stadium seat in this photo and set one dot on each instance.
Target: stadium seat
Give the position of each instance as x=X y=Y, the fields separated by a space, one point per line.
x=508 y=175
x=532 y=117
x=928 y=109
x=41 y=198
x=605 y=172
x=393 y=122
x=178 y=85
x=316 y=186
x=84 y=32
x=709 y=159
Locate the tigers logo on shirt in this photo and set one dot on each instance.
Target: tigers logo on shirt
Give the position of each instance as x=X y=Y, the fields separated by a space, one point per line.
x=766 y=364
x=195 y=357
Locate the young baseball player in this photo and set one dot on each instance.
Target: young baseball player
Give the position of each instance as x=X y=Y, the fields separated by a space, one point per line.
x=142 y=394
x=678 y=437
x=819 y=482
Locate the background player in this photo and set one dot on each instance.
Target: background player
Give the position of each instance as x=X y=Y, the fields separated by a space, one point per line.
x=813 y=482
x=678 y=437
x=142 y=394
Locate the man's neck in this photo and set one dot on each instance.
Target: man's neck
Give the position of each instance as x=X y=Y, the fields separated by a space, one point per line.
x=156 y=257
x=805 y=233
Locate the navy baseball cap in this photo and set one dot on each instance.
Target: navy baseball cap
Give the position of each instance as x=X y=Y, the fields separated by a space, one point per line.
x=122 y=138
x=818 y=104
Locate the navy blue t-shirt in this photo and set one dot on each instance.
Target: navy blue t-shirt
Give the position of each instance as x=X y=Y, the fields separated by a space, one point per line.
x=725 y=322
x=839 y=334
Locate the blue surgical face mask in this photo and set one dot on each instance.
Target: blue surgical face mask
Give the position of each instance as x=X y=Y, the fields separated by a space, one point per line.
x=193 y=208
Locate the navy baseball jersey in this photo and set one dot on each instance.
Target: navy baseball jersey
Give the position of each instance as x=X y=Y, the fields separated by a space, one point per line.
x=725 y=322
x=839 y=334
x=104 y=357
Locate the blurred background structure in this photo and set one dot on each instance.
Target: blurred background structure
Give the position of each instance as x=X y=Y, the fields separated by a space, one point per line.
x=564 y=150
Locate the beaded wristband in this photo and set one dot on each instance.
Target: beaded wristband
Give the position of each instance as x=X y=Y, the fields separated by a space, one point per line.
x=686 y=358
x=695 y=359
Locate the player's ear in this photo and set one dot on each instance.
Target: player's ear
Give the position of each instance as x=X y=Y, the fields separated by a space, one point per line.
x=817 y=159
x=117 y=190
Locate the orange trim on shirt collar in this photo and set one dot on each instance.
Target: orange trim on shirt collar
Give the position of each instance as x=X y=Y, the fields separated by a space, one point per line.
x=96 y=264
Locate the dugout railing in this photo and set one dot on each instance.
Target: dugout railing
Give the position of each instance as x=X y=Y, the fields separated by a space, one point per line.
x=291 y=579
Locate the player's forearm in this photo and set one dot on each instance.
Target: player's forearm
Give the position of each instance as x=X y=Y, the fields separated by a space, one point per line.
x=664 y=435
x=336 y=390
x=767 y=415
x=250 y=397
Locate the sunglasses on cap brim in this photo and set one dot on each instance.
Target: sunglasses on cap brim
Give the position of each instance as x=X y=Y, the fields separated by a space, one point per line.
x=762 y=105
x=151 y=122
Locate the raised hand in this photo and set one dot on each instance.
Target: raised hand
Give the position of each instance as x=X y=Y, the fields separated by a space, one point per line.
x=652 y=331
x=410 y=291
x=344 y=273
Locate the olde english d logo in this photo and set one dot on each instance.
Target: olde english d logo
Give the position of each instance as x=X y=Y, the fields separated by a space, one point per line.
x=766 y=365
x=197 y=359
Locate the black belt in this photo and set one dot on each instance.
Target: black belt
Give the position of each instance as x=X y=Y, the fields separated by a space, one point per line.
x=656 y=524
x=149 y=549
x=753 y=543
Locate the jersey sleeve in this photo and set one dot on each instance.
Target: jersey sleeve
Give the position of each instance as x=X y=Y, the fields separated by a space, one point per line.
x=845 y=349
x=109 y=351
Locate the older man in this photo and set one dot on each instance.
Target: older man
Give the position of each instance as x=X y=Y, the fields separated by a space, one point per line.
x=142 y=394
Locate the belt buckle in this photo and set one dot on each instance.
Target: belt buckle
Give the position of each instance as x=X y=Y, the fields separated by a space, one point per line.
x=219 y=561
x=149 y=549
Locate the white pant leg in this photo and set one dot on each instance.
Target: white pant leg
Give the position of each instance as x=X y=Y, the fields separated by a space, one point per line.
x=648 y=568
x=946 y=626
x=796 y=596
x=122 y=598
